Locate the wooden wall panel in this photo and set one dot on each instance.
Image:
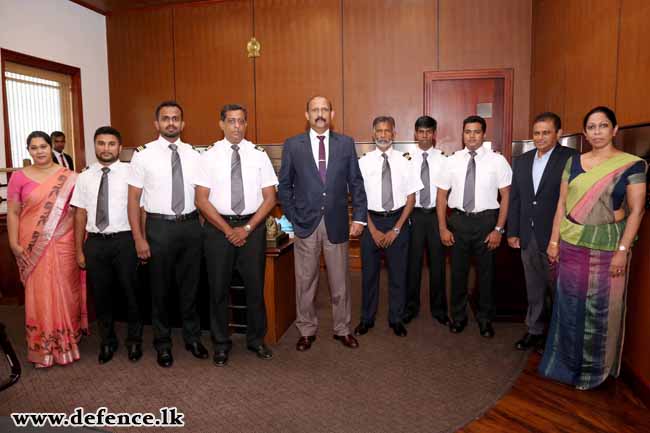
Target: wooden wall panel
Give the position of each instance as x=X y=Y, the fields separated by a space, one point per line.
x=387 y=47
x=633 y=92
x=141 y=70
x=548 y=59
x=479 y=34
x=591 y=47
x=212 y=65
x=301 y=56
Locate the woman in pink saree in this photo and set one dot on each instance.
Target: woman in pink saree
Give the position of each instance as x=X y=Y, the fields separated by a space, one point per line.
x=40 y=226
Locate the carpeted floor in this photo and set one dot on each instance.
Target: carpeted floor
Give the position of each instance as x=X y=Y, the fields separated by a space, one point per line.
x=430 y=381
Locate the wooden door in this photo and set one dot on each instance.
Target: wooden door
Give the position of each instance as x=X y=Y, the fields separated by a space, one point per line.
x=451 y=96
x=212 y=67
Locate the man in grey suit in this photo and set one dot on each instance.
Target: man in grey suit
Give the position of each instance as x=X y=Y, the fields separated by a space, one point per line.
x=318 y=170
x=533 y=199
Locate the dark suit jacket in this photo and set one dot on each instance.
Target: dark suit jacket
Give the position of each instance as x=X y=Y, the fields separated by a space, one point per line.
x=304 y=197
x=67 y=157
x=531 y=213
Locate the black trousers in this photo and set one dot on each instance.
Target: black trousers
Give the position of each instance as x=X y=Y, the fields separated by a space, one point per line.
x=111 y=265
x=425 y=235
x=222 y=258
x=175 y=256
x=396 y=258
x=470 y=232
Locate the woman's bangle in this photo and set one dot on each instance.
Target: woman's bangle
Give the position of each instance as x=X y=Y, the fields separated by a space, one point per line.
x=555 y=244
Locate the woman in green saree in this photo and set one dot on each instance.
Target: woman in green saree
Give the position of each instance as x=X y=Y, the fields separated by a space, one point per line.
x=602 y=199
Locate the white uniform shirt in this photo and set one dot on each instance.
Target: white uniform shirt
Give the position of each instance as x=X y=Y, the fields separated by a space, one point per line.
x=436 y=161
x=492 y=172
x=151 y=170
x=256 y=170
x=404 y=178
x=315 y=144
x=86 y=191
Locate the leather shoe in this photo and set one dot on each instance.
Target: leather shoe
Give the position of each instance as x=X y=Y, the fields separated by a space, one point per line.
x=304 y=343
x=347 y=340
x=165 y=358
x=363 y=328
x=486 y=329
x=220 y=358
x=197 y=349
x=409 y=315
x=262 y=351
x=443 y=320
x=106 y=353
x=458 y=327
x=528 y=341
x=135 y=352
x=399 y=329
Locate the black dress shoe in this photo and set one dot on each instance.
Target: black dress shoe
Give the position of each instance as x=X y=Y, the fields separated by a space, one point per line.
x=135 y=352
x=529 y=341
x=486 y=329
x=106 y=353
x=165 y=358
x=362 y=328
x=457 y=327
x=443 y=320
x=220 y=358
x=409 y=315
x=262 y=351
x=197 y=350
x=399 y=329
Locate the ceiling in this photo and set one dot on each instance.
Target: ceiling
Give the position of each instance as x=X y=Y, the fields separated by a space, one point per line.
x=108 y=6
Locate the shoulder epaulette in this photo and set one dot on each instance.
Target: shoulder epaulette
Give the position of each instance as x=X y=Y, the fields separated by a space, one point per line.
x=407 y=155
x=196 y=148
x=260 y=148
x=209 y=147
x=85 y=168
x=141 y=148
x=496 y=151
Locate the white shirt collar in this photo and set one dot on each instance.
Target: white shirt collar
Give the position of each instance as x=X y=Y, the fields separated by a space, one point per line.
x=313 y=135
x=242 y=144
x=166 y=143
x=389 y=152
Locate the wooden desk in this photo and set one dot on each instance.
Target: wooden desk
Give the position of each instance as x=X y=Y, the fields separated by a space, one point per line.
x=279 y=291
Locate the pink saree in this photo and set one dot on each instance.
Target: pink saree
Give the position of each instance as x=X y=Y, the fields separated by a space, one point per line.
x=55 y=298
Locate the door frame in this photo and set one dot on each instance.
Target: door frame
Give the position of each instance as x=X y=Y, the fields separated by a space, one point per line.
x=506 y=74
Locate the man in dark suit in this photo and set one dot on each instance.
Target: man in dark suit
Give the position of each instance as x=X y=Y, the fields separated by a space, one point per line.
x=58 y=144
x=318 y=170
x=535 y=191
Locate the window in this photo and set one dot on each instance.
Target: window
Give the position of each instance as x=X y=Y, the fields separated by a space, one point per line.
x=37 y=99
x=40 y=95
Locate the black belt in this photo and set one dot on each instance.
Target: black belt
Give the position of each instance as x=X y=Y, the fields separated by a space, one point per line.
x=426 y=210
x=233 y=218
x=109 y=235
x=475 y=214
x=174 y=218
x=386 y=213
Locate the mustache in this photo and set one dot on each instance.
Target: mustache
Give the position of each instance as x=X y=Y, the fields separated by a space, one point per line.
x=320 y=118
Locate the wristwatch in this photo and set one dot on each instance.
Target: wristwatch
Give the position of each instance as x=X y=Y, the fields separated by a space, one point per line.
x=247 y=227
x=622 y=248
x=500 y=230
x=396 y=230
